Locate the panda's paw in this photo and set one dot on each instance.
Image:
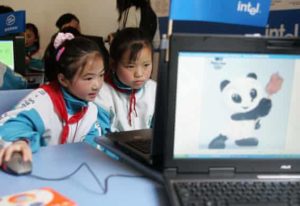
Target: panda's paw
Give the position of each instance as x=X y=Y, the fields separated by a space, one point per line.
x=251 y=141
x=257 y=125
x=218 y=142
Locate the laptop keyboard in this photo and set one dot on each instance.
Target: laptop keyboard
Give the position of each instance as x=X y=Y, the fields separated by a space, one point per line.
x=143 y=145
x=238 y=193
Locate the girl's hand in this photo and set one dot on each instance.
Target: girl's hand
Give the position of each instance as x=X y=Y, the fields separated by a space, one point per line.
x=18 y=146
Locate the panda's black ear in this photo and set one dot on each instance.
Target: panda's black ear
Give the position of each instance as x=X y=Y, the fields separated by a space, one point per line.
x=224 y=84
x=252 y=75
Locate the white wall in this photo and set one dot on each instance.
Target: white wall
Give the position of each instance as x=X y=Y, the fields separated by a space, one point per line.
x=97 y=17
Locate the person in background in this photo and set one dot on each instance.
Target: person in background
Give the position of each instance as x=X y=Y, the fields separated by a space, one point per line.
x=62 y=111
x=139 y=14
x=33 y=59
x=8 y=78
x=128 y=94
x=68 y=20
x=5 y=9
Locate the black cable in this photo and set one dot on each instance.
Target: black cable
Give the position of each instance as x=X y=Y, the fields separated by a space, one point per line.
x=104 y=188
x=118 y=175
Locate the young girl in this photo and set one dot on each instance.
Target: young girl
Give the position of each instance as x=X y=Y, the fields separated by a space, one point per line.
x=61 y=111
x=33 y=57
x=128 y=95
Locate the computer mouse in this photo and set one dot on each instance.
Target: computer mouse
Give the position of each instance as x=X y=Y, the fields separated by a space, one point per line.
x=16 y=165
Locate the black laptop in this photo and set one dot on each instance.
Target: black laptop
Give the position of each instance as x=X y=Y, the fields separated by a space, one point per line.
x=232 y=124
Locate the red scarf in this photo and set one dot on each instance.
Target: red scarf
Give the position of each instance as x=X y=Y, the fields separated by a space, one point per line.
x=132 y=99
x=54 y=91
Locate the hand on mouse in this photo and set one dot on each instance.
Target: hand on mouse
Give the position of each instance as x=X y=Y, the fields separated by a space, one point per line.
x=18 y=146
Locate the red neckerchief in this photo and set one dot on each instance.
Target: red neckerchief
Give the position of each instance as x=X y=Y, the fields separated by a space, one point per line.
x=132 y=99
x=54 y=91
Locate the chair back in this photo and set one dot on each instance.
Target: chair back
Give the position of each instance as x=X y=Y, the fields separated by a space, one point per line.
x=10 y=98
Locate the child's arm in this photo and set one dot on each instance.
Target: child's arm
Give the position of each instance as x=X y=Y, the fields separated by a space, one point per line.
x=104 y=120
x=101 y=127
x=18 y=146
x=92 y=134
x=36 y=64
x=12 y=80
x=25 y=121
x=29 y=127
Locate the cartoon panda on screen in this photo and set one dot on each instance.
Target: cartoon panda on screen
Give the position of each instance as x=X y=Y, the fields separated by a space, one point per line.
x=249 y=102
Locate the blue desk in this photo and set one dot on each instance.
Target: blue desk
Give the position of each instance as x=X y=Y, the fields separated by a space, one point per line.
x=58 y=161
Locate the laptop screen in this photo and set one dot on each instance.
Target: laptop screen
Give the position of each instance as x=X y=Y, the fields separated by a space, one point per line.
x=7 y=52
x=237 y=105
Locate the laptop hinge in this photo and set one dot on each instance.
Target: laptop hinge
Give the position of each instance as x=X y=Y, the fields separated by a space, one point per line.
x=170 y=172
x=222 y=171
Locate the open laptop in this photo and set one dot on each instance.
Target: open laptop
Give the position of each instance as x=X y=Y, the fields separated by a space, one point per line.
x=232 y=124
x=144 y=145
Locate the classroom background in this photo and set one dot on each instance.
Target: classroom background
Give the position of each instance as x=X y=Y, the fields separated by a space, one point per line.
x=97 y=17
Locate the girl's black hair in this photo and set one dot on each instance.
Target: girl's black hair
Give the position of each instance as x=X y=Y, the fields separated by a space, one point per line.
x=5 y=9
x=64 y=19
x=35 y=31
x=74 y=56
x=128 y=39
x=122 y=5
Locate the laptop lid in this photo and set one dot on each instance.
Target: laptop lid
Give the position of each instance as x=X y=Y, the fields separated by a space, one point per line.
x=232 y=103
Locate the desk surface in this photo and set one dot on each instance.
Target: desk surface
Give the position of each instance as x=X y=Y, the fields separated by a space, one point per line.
x=61 y=160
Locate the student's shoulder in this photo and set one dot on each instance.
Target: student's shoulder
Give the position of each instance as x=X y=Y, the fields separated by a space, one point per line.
x=106 y=86
x=107 y=89
x=149 y=90
x=37 y=96
x=105 y=94
x=92 y=108
x=151 y=84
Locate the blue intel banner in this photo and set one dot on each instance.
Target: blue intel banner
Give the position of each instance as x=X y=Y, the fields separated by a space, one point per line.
x=283 y=23
x=11 y=23
x=244 y=12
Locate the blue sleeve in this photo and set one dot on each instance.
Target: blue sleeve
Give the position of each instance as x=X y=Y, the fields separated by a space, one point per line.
x=90 y=139
x=26 y=125
x=13 y=80
x=104 y=120
x=36 y=64
x=92 y=134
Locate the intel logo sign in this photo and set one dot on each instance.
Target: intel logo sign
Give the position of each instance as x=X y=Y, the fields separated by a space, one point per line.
x=10 y=20
x=248 y=8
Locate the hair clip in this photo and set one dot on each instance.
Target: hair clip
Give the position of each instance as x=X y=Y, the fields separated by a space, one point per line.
x=59 y=53
x=61 y=37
